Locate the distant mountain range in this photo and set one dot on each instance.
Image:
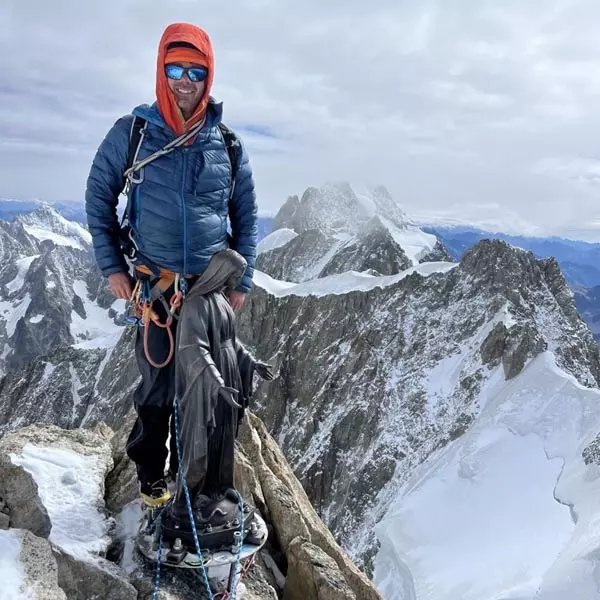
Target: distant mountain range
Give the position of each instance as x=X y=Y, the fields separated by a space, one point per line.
x=578 y=260
x=10 y=209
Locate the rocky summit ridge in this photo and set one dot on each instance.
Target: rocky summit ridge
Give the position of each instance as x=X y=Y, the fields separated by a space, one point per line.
x=387 y=355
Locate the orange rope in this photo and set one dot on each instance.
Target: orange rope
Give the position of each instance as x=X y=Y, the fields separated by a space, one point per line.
x=149 y=316
x=145 y=314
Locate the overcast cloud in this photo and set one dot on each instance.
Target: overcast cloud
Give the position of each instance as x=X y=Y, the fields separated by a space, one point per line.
x=480 y=110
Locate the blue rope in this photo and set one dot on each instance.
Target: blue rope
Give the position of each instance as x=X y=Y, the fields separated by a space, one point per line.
x=191 y=515
x=187 y=498
x=158 y=557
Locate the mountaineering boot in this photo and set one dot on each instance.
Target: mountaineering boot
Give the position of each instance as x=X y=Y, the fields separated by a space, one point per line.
x=154 y=494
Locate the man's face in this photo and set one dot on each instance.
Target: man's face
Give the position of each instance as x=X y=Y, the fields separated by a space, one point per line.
x=187 y=93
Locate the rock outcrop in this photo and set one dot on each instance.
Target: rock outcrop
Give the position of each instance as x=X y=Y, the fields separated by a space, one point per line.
x=53 y=485
x=337 y=207
x=82 y=537
x=439 y=253
x=32 y=560
x=374 y=249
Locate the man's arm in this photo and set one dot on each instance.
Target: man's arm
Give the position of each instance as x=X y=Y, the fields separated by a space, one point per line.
x=104 y=185
x=243 y=214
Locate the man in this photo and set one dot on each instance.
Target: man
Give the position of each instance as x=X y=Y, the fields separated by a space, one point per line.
x=177 y=209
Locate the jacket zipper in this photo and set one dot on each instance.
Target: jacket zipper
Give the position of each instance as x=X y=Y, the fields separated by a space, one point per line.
x=185 y=157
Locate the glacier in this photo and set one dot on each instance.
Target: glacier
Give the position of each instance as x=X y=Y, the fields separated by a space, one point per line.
x=509 y=510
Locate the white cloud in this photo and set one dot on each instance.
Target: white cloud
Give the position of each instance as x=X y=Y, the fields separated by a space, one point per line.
x=448 y=104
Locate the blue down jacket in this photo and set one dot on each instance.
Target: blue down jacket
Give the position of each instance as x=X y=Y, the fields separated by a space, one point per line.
x=179 y=212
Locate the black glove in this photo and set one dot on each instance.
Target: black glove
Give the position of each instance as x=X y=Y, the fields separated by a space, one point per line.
x=230 y=396
x=264 y=370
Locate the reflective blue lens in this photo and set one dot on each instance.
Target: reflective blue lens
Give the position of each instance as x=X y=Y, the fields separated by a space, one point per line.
x=194 y=74
x=174 y=71
x=197 y=74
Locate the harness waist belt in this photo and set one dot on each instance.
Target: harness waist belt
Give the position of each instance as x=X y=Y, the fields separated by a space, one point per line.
x=166 y=277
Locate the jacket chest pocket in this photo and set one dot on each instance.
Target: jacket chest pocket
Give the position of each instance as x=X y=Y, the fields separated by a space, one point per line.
x=211 y=181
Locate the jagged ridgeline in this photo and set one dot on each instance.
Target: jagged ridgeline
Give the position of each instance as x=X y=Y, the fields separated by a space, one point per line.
x=417 y=399
x=68 y=496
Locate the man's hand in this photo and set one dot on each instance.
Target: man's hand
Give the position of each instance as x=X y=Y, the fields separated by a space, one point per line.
x=236 y=299
x=120 y=285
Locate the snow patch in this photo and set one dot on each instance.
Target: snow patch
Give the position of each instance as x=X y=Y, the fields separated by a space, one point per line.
x=315 y=270
x=119 y=305
x=344 y=283
x=23 y=265
x=99 y=343
x=49 y=368
x=69 y=486
x=76 y=385
x=60 y=240
x=97 y=324
x=276 y=239
x=415 y=243
x=442 y=379
x=12 y=314
x=128 y=526
x=36 y=318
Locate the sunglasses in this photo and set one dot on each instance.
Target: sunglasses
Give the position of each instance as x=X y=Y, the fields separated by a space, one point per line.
x=195 y=74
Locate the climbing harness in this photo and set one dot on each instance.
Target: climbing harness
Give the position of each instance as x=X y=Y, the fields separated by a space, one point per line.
x=142 y=313
x=234 y=580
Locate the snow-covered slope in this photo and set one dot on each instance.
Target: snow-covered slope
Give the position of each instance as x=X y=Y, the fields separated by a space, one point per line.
x=51 y=292
x=509 y=510
x=275 y=240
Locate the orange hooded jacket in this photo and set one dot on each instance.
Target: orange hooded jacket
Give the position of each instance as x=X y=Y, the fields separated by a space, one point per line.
x=182 y=32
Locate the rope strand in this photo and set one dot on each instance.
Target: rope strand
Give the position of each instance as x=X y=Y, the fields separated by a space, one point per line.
x=187 y=498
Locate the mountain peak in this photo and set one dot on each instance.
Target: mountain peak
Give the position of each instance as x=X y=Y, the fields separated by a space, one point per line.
x=338 y=207
x=46 y=223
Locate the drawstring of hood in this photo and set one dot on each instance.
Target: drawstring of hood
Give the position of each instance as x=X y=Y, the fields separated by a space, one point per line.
x=167 y=104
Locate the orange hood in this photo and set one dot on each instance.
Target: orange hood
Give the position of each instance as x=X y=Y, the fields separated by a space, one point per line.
x=182 y=32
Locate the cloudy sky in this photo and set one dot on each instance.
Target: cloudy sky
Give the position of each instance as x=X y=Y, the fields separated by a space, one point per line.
x=474 y=110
